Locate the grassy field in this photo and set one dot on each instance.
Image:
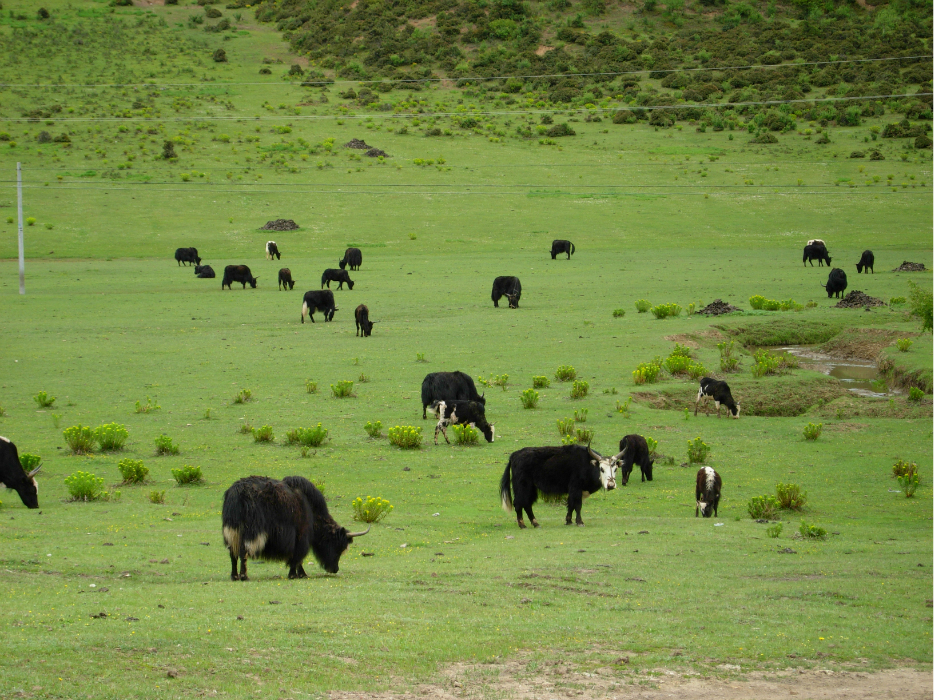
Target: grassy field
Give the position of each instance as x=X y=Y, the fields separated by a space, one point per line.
x=668 y=216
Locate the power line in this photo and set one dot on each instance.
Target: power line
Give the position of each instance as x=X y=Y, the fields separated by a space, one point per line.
x=306 y=83
x=501 y=113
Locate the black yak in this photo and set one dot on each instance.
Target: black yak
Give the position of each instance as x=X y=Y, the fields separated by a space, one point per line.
x=316 y=300
x=707 y=492
x=362 y=318
x=238 y=273
x=836 y=283
x=816 y=252
x=205 y=272
x=187 y=255
x=352 y=257
x=454 y=412
x=559 y=246
x=13 y=476
x=635 y=450
x=448 y=386
x=866 y=261
x=272 y=250
x=720 y=393
x=332 y=275
x=508 y=287
x=285 y=279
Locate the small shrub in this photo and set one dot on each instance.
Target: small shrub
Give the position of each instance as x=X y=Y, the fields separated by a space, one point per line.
x=696 y=370
x=43 y=400
x=311 y=387
x=30 y=221
x=164 y=445
x=188 y=475
x=363 y=379
x=812 y=532
x=894 y=301
x=420 y=357
x=904 y=344
x=652 y=444
x=540 y=382
x=757 y=301
x=529 y=398
x=790 y=496
x=373 y=429
x=611 y=391
x=921 y=301
x=133 y=471
x=565 y=373
x=263 y=434
x=243 y=396
x=311 y=437
x=681 y=351
x=624 y=407
x=370 y=509
x=147 y=407
x=246 y=429
x=80 y=439
x=915 y=394
x=647 y=372
x=207 y=414
x=219 y=56
x=157 y=497
x=84 y=486
x=111 y=436
x=579 y=389
x=774 y=531
x=29 y=461
x=619 y=313
x=343 y=389
x=580 y=415
x=642 y=306
x=465 y=434
x=698 y=450
x=566 y=427
x=765 y=363
x=812 y=431
x=763 y=507
x=909 y=483
x=405 y=437
x=901 y=468
x=666 y=310
x=501 y=380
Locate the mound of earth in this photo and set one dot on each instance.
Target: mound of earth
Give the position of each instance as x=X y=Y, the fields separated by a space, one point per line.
x=280 y=225
x=909 y=267
x=856 y=300
x=375 y=153
x=718 y=307
x=358 y=144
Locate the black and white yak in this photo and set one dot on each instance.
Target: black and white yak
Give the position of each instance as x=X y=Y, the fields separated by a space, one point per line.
x=13 y=476
x=508 y=287
x=332 y=275
x=318 y=300
x=866 y=261
x=574 y=470
x=238 y=273
x=560 y=246
x=352 y=257
x=836 y=283
x=205 y=272
x=707 y=492
x=187 y=255
x=285 y=279
x=448 y=386
x=452 y=412
x=276 y=520
x=720 y=393
x=361 y=317
x=816 y=252
x=634 y=450
x=272 y=250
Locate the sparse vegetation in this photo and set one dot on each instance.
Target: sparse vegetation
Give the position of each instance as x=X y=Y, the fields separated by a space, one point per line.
x=465 y=434
x=579 y=389
x=187 y=475
x=80 y=439
x=84 y=486
x=43 y=400
x=540 y=382
x=619 y=313
x=812 y=431
x=565 y=373
x=311 y=387
x=790 y=496
x=904 y=344
x=243 y=396
x=529 y=398
x=312 y=437
x=665 y=310
x=157 y=497
x=165 y=446
x=370 y=509
x=147 y=407
x=373 y=429
x=643 y=305
x=263 y=434
x=111 y=436
x=343 y=389
x=763 y=507
x=698 y=451
x=811 y=532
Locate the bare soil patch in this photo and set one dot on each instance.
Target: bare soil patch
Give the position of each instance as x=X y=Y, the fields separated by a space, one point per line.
x=862 y=343
x=718 y=307
x=280 y=225
x=856 y=300
x=910 y=267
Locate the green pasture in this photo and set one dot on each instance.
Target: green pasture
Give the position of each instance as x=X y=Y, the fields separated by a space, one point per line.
x=110 y=319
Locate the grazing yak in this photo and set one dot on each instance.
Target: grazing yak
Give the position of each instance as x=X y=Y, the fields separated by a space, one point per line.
x=453 y=412
x=707 y=492
x=238 y=273
x=816 y=252
x=352 y=257
x=559 y=246
x=362 y=318
x=817 y=241
x=276 y=520
x=285 y=279
x=205 y=272
x=574 y=470
x=322 y=301
x=272 y=251
x=720 y=393
x=13 y=476
x=866 y=261
x=836 y=283
x=508 y=287
x=332 y=275
x=187 y=255
x=448 y=386
x=635 y=450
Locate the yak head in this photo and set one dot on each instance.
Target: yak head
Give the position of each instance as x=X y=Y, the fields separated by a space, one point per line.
x=607 y=467
x=291 y=284
x=330 y=545
x=343 y=263
x=736 y=414
x=705 y=509
x=253 y=282
x=349 y=283
x=488 y=430
x=513 y=301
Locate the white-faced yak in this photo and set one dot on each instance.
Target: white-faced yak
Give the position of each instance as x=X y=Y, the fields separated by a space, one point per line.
x=707 y=492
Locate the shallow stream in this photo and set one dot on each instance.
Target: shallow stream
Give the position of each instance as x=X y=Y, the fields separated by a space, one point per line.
x=859 y=376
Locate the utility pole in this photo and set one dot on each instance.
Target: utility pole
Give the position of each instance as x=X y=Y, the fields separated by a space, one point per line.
x=19 y=209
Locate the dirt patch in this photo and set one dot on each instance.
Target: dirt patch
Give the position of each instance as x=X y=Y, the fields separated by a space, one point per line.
x=376 y=153
x=718 y=307
x=358 y=144
x=280 y=225
x=542 y=50
x=861 y=343
x=844 y=427
x=709 y=337
x=856 y=300
x=910 y=267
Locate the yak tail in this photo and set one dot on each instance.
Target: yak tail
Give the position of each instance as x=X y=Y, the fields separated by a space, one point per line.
x=572 y=249
x=505 y=493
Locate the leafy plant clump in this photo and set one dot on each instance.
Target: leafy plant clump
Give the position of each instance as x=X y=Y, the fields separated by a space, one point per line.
x=465 y=434
x=147 y=407
x=579 y=389
x=157 y=497
x=243 y=396
x=263 y=434
x=901 y=468
x=343 y=389
x=565 y=427
x=405 y=437
x=84 y=486
x=501 y=380
x=652 y=444
x=766 y=363
x=763 y=507
x=915 y=394
x=624 y=407
x=921 y=302
x=529 y=398
x=698 y=450
x=133 y=471
x=643 y=305
x=111 y=436
x=812 y=431
x=774 y=531
x=188 y=475
x=665 y=310
x=647 y=372
x=812 y=532
x=164 y=445
x=246 y=429
x=370 y=509
x=728 y=361
x=311 y=387
x=790 y=496
x=619 y=313
x=540 y=382
x=43 y=400
x=80 y=439
x=580 y=415
x=904 y=344
x=308 y=437
x=373 y=429
x=565 y=373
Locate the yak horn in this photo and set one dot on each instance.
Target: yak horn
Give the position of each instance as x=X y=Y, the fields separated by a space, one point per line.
x=358 y=534
x=34 y=472
x=616 y=458
x=592 y=453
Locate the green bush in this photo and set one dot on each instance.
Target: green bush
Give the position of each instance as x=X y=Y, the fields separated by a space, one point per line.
x=790 y=496
x=643 y=305
x=696 y=370
x=624 y=407
x=157 y=497
x=164 y=446
x=370 y=509
x=579 y=389
x=243 y=396
x=619 y=313
x=580 y=415
x=812 y=431
x=565 y=373
x=922 y=305
x=43 y=400
x=246 y=429
x=80 y=439
x=263 y=434
x=540 y=382
x=465 y=434
x=774 y=531
x=698 y=450
x=188 y=475
x=653 y=445
x=666 y=310
x=915 y=394
x=812 y=532
x=373 y=429
x=111 y=436
x=132 y=471
x=584 y=436
x=501 y=380
x=763 y=507
x=83 y=486
x=897 y=301
x=904 y=468
x=308 y=437
x=343 y=389
x=29 y=461
x=405 y=437
x=529 y=398
x=909 y=483
x=146 y=407
x=311 y=387
x=647 y=372
x=904 y=344
x=566 y=427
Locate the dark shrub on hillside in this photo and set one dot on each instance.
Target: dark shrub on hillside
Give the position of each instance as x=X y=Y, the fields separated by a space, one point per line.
x=265 y=71
x=560 y=130
x=547 y=119
x=44 y=137
x=765 y=137
x=62 y=138
x=221 y=26
x=895 y=131
x=661 y=117
x=624 y=116
x=676 y=81
x=42 y=13
x=296 y=69
x=220 y=56
x=778 y=121
x=348 y=94
x=876 y=155
x=122 y=3
x=212 y=13
x=434 y=131
x=168 y=150
x=469 y=123
x=171 y=2
x=857 y=154
x=923 y=142
x=564 y=94
x=823 y=138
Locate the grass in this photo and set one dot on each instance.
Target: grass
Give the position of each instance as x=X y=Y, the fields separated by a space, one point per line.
x=138 y=325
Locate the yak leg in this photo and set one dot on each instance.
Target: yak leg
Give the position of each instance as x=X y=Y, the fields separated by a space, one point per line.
x=296 y=570
x=528 y=509
x=243 y=576
x=233 y=566
x=575 y=503
x=718 y=408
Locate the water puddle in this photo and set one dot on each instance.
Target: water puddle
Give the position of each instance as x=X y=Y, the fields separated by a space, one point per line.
x=859 y=376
